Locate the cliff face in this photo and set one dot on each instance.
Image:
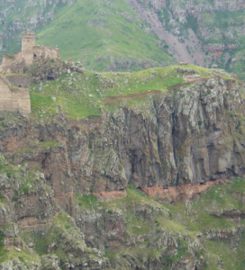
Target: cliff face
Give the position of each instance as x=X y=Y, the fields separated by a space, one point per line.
x=191 y=134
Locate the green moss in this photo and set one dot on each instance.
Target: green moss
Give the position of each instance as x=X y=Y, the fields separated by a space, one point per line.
x=222 y=254
x=87 y=201
x=26 y=180
x=38 y=146
x=25 y=256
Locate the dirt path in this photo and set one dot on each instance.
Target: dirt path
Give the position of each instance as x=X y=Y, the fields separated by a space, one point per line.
x=182 y=192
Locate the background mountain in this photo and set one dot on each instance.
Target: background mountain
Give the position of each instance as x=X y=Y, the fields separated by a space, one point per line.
x=131 y=34
x=20 y=15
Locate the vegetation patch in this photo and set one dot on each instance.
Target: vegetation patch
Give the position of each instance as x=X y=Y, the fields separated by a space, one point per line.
x=90 y=94
x=88 y=37
x=87 y=201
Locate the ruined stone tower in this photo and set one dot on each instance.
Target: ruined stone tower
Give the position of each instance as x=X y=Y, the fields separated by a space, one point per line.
x=14 y=95
x=29 y=53
x=28 y=43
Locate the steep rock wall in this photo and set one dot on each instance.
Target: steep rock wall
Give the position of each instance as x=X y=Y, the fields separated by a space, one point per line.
x=193 y=134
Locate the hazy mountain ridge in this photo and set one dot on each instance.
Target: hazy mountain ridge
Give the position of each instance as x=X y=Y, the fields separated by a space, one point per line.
x=19 y=16
x=202 y=32
x=131 y=34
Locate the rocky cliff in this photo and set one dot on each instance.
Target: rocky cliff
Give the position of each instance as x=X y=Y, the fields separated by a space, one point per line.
x=193 y=134
x=201 y=32
x=51 y=174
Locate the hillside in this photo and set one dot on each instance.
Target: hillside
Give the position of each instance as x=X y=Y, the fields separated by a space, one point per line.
x=201 y=32
x=124 y=233
x=125 y=170
x=127 y=152
x=191 y=31
x=18 y=16
x=90 y=94
x=104 y=35
x=131 y=34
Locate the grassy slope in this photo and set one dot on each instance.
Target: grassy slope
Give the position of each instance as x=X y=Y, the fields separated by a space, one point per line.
x=187 y=219
x=84 y=95
x=100 y=33
x=184 y=222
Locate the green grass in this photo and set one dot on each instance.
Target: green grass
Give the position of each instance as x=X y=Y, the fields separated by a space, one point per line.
x=38 y=240
x=103 y=35
x=19 y=176
x=149 y=219
x=87 y=201
x=89 y=94
x=8 y=169
x=25 y=256
x=222 y=254
x=181 y=220
x=35 y=147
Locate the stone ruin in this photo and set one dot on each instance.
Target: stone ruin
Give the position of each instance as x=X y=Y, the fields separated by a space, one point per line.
x=14 y=95
x=28 y=54
x=14 y=99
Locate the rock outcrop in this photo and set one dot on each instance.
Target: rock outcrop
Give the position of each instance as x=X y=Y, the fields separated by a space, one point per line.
x=193 y=134
x=50 y=172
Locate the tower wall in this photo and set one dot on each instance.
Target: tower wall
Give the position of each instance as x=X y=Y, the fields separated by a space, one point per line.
x=12 y=101
x=28 y=43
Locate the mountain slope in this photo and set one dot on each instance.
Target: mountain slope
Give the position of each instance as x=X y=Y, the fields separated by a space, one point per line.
x=201 y=32
x=18 y=16
x=193 y=31
x=107 y=170
x=129 y=34
x=105 y=35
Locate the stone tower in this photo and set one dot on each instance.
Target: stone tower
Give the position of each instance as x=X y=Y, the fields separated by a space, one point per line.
x=28 y=43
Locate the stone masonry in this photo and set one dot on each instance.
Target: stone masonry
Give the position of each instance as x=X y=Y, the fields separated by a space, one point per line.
x=14 y=100
x=16 y=97
x=29 y=53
